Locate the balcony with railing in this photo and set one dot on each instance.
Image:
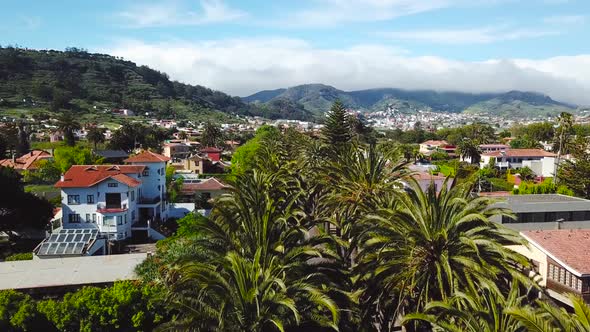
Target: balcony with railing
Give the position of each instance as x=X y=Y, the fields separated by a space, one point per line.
x=111 y=208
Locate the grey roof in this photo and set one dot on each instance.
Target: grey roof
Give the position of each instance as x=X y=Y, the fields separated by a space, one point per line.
x=83 y=270
x=112 y=153
x=544 y=203
x=67 y=242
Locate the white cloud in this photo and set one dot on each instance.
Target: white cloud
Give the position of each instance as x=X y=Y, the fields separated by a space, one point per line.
x=327 y=13
x=172 y=13
x=242 y=67
x=484 y=35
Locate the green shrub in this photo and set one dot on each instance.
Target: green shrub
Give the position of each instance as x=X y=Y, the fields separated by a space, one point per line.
x=25 y=256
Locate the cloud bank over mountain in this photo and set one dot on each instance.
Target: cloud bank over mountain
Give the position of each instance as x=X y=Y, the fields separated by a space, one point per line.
x=244 y=66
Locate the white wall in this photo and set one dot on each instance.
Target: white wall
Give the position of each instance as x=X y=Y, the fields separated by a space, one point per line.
x=85 y=209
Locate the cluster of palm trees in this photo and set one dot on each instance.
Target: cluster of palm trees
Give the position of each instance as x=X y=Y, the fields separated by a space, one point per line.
x=331 y=235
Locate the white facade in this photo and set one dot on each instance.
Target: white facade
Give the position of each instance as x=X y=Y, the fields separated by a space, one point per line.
x=152 y=192
x=541 y=165
x=116 y=200
x=88 y=208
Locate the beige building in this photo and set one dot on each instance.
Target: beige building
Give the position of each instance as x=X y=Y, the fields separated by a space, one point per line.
x=561 y=259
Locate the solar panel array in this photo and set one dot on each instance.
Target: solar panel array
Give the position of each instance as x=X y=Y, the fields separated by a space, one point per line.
x=67 y=242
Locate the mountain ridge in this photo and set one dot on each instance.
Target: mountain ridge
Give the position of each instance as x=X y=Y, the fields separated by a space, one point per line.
x=316 y=99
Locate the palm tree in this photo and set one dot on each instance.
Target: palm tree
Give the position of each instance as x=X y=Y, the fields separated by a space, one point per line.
x=548 y=318
x=477 y=310
x=264 y=270
x=430 y=247
x=67 y=123
x=95 y=135
x=468 y=149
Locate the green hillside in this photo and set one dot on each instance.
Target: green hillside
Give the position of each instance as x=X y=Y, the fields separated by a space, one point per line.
x=89 y=83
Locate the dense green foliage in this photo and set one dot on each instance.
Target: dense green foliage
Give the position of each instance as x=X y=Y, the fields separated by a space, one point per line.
x=320 y=236
x=575 y=174
x=133 y=135
x=25 y=256
x=15 y=204
x=125 y=306
x=66 y=156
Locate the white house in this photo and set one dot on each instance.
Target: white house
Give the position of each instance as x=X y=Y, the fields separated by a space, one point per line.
x=487 y=148
x=541 y=162
x=115 y=199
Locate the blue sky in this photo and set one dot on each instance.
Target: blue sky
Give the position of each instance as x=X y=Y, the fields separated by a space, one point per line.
x=243 y=46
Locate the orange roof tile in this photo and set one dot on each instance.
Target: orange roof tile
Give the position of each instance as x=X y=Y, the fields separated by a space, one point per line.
x=147 y=157
x=520 y=153
x=209 y=184
x=26 y=161
x=570 y=248
x=89 y=175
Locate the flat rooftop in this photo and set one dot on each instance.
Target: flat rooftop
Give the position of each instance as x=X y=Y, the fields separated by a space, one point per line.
x=544 y=203
x=70 y=271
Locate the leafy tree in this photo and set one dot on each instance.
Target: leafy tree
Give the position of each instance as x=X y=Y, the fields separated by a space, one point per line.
x=525 y=142
x=66 y=156
x=18 y=312
x=575 y=174
x=135 y=135
x=125 y=306
x=212 y=135
x=439 y=155
x=246 y=156
x=337 y=128
x=67 y=123
x=95 y=135
x=15 y=204
x=563 y=137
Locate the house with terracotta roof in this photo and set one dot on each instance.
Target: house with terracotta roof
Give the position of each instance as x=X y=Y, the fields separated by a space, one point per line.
x=541 y=162
x=429 y=147
x=207 y=188
x=561 y=257
x=116 y=199
x=26 y=162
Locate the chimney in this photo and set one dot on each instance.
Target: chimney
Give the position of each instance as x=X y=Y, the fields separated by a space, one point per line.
x=61 y=177
x=14 y=157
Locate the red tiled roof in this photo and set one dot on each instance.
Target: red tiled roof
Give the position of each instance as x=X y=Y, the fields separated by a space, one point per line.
x=80 y=176
x=211 y=149
x=570 y=248
x=520 y=153
x=211 y=184
x=436 y=143
x=483 y=146
x=126 y=179
x=26 y=161
x=147 y=157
